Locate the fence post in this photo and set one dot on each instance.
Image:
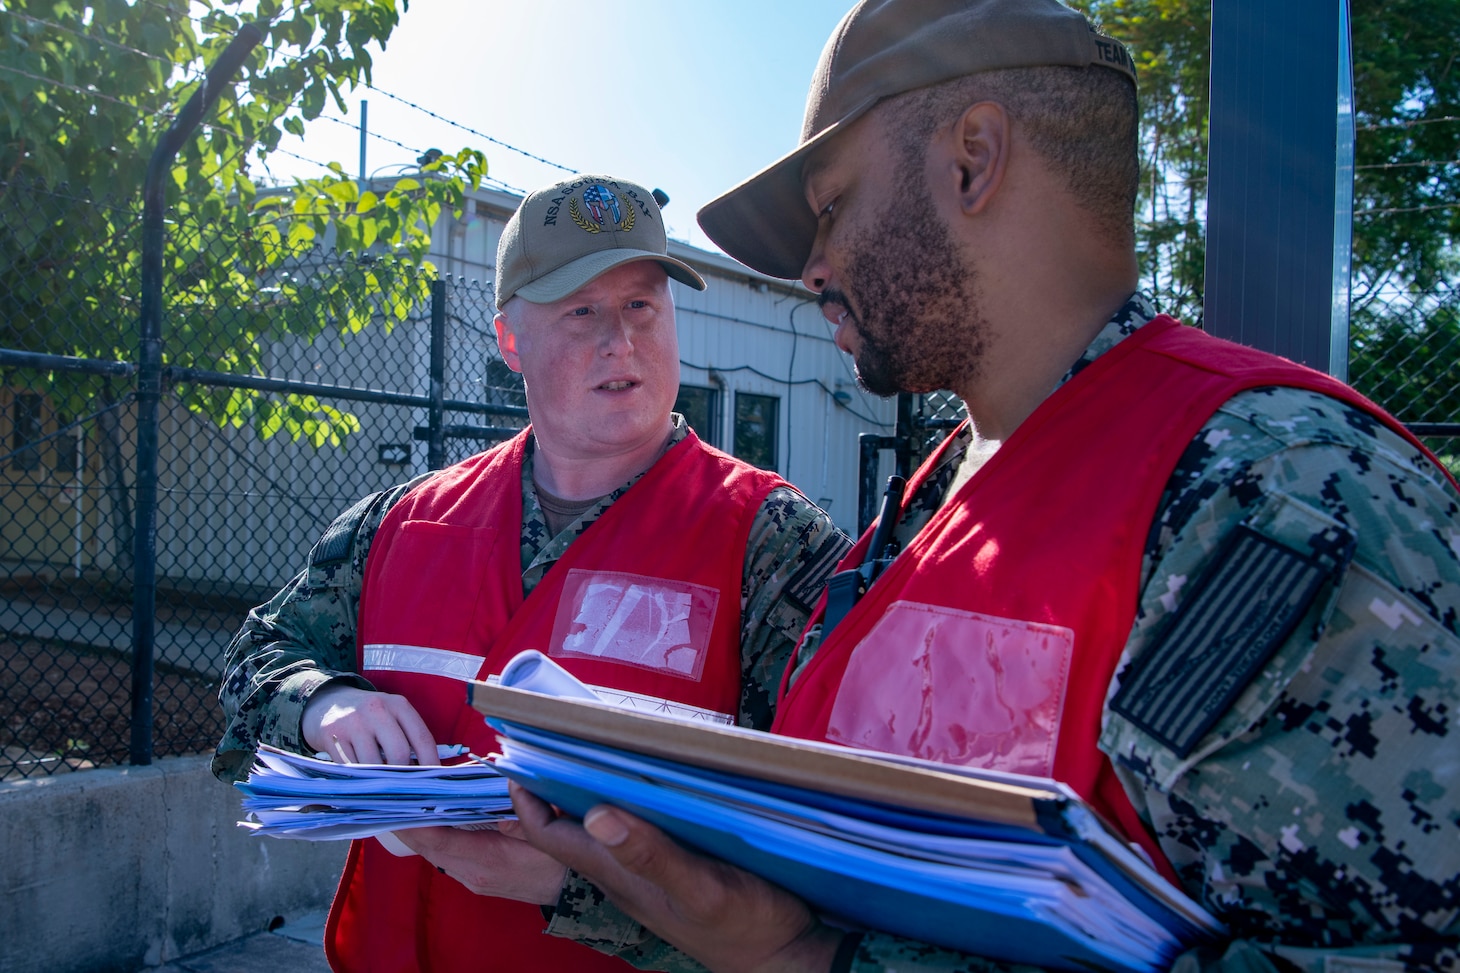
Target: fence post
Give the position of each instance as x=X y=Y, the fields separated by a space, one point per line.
x=436 y=440
x=869 y=444
x=1280 y=185
x=149 y=381
x=905 y=432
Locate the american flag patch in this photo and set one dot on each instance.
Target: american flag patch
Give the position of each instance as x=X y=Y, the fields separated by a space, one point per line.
x=1239 y=612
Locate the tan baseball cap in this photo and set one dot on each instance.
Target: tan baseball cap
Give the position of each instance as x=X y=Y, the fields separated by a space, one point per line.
x=566 y=234
x=883 y=48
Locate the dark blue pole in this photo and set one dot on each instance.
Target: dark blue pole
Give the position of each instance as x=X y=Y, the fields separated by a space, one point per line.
x=1280 y=178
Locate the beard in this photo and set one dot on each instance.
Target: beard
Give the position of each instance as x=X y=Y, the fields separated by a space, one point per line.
x=918 y=322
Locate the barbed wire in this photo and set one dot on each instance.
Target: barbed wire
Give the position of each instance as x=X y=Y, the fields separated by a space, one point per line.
x=272 y=50
x=89 y=92
x=505 y=185
x=198 y=72
x=439 y=117
x=295 y=155
x=1408 y=165
x=374 y=135
x=470 y=130
x=1406 y=123
x=1406 y=209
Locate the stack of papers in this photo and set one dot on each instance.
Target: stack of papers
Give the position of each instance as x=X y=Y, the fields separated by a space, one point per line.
x=290 y=796
x=1008 y=867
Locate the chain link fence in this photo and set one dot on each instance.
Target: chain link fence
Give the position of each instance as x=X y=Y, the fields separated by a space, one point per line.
x=1405 y=354
x=295 y=380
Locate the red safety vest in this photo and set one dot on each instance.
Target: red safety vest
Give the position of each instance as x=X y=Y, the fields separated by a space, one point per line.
x=646 y=601
x=991 y=640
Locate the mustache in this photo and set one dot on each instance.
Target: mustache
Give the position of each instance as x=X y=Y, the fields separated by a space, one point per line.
x=838 y=297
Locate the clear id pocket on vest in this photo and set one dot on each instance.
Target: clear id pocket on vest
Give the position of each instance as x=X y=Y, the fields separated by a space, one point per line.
x=652 y=623
x=957 y=687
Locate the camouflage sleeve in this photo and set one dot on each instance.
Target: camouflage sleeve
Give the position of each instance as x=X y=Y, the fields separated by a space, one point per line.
x=793 y=548
x=584 y=914
x=302 y=639
x=1318 y=817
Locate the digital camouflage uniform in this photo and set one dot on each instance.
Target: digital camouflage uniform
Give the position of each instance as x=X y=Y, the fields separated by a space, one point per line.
x=1322 y=811
x=305 y=637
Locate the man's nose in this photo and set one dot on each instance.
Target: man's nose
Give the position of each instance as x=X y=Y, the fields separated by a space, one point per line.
x=615 y=338
x=816 y=271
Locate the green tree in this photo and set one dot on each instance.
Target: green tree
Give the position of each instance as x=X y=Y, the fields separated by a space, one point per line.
x=87 y=88
x=1405 y=316
x=1171 y=43
x=1406 y=185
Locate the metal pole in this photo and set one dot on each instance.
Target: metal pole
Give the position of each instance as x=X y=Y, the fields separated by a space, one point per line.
x=149 y=381
x=869 y=446
x=1343 y=205
x=1273 y=184
x=905 y=433
x=436 y=443
x=364 y=128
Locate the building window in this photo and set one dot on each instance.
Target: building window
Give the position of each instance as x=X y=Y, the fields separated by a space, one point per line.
x=701 y=409
x=756 y=423
x=25 y=429
x=66 y=453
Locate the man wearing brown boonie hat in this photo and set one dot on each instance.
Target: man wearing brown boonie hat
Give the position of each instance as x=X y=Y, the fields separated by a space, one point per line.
x=606 y=535
x=1218 y=590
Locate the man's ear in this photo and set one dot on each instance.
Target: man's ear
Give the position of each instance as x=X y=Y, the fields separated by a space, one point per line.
x=507 y=341
x=980 y=152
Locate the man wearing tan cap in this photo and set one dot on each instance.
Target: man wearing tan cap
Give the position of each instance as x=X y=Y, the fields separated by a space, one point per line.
x=606 y=535
x=1221 y=590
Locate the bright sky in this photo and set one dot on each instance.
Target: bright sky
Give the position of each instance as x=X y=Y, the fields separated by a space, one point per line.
x=691 y=96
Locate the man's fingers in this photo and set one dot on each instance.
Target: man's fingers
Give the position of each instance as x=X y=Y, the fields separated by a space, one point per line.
x=562 y=838
x=418 y=737
x=649 y=854
x=606 y=825
x=511 y=829
x=390 y=742
x=341 y=751
x=363 y=726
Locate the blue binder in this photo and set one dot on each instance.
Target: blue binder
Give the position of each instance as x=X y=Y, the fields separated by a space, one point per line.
x=1008 y=867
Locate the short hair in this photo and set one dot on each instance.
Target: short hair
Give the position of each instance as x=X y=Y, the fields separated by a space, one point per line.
x=1082 y=120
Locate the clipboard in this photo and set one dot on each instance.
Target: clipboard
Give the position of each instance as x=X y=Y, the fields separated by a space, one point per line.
x=1028 y=803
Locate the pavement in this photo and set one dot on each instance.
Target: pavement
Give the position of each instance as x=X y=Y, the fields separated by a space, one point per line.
x=295 y=947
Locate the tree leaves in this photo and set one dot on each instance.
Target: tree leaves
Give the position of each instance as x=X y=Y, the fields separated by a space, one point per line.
x=85 y=93
x=1406 y=181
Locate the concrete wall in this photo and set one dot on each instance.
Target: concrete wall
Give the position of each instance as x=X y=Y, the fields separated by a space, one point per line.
x=121 y=869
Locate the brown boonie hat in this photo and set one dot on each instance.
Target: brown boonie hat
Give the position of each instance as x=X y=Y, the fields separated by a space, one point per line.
x=566 y=234
x=883 y=48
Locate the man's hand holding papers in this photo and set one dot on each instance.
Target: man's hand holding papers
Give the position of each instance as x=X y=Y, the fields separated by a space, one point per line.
x=721 y=915
x=365 y=727
x=493 y=862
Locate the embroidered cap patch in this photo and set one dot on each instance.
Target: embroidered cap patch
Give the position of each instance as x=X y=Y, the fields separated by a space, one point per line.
x=1239 y=612
x=603 y=208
